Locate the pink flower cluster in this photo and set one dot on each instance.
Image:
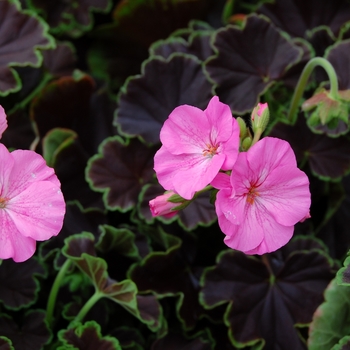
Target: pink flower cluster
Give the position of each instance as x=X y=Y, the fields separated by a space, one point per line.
x=32 y=206
x=262 y=194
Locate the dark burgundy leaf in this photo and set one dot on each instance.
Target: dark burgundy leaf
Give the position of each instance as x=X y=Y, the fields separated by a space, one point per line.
x=31 y=334
x=6 y=344
x=120 y=170
x=338 y=56
x=66 y=16
x=22 y=36
x=297 y=17
x=328 y=158
x=147 y=100
x=19 y=283
x=168 y=273
x=87 y=337
x=249 y=60
x=174 y=341
x=278 y=292
x=129 y=338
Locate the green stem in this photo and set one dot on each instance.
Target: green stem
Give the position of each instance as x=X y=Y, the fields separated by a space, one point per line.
x=257 y=134
x=54 y=291
x=308 y=69
x=88 y=305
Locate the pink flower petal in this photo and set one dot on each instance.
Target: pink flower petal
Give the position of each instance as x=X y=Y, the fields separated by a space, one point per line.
x=185 y=131
x=38 y=210
x=231 y=146
x=221 y=181
x=185 y=174
x=28 y=167
x=285 y=195
x=12 y=243
x=3 y=121
x=220 y=120
x=259 y=233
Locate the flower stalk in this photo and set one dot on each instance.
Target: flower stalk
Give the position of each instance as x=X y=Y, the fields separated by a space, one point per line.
x=304 y=77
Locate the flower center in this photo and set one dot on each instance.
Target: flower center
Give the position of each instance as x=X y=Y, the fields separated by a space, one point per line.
x=252 y=194
x=211 y=150
x=3 y=202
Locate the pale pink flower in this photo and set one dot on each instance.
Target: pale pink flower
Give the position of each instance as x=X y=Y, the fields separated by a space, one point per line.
x=32 y=206
x=263 y=198
x=196 y=145
x=160 y=206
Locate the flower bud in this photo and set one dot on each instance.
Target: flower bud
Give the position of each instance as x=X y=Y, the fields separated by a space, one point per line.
x=246 y=143
x=242 y=128
x=260 y=117
x=327 y=110
x=163 y=206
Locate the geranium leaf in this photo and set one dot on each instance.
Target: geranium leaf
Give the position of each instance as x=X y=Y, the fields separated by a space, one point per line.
x=22 y=34
x=174 y=341
x=80 y=249
x=285 y=292
x=240 y=74
x=328 y=157
x=298 y=18
x=70 y=18
x=119 y=170
x=343 y=275
x=32 y=334
x=19 y=285
x=54 y=141
x=152 y=274
x=343 y=344
x=6 y=344
x=86 y=336
x=119 y=240
x=144 y=106
x=338 y=56
x=331 y=320
x=129 y=338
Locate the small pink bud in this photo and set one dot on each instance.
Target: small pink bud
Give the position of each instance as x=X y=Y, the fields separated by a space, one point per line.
x=160 y=206
x=260 y=117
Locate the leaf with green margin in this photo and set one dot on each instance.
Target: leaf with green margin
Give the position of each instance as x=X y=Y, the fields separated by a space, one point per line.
x=119 y=171
x=169 y=273
x=343 y=275
x=119 y=240
x=55 y=140
x=80 y=249
x=32 y=334
x=129 y=338
x=248 y=61
x=23 y=35
x=6 y=344
x=19 y=285
x=86 y=336
x=298 y=17
x=146 y=100
x=70 y=18
x=331 y=320
x=328 y=158
x=146 y=21
x=343 y=344
x=282 y=291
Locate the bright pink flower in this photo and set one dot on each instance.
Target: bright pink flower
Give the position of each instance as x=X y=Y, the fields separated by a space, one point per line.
x=196 y=145
x=160 y=206
x=32 y=206
x=263 y=198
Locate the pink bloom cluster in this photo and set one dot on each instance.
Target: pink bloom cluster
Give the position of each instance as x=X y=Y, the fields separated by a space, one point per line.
x=262 y=194
x=32 y=206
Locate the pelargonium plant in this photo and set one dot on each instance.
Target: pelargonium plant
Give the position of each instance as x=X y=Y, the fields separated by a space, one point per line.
x=174 y=174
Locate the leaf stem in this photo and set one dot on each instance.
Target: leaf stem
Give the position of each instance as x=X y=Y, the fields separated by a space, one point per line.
x=304 y=77
x=54 y=291
x=88 y=305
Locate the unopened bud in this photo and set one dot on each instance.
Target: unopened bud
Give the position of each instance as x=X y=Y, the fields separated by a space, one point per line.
x=242 y=128
x=246 y=143
x=260 y=117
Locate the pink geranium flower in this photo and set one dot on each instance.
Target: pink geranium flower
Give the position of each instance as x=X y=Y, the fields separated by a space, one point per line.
x=3 y=121
x=263 y=198
x=196 y=145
